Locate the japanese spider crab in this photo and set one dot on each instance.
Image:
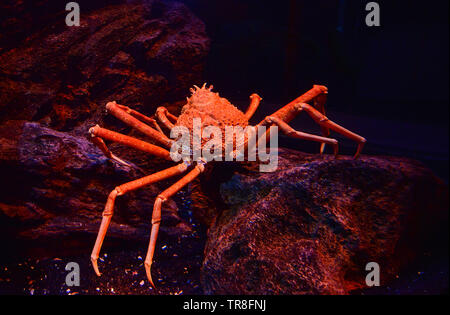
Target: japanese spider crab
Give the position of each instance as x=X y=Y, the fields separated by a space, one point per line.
x=213 y=110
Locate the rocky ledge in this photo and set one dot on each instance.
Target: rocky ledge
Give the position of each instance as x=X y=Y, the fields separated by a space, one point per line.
x=313 y=225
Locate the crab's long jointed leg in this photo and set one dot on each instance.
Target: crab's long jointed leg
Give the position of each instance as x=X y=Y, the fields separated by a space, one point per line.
x=324 y=122
x=255 y=99
x=171 y=117
x=319 y=104
x=102 y=146
x=121 y=190
x=162 y=113
x=118 y=111
x=291 y=110
x=156 y=216
x=142 y=117
x=288 y=130
x=98 y=133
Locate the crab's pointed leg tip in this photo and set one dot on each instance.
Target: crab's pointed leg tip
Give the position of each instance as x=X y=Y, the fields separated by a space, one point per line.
x=360 y=148
x=95 y=265
x=336 y=150
x=322 y=148
x=149 y=274
x=120 y=161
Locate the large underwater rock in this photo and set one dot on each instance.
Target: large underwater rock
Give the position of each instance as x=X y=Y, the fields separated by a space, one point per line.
x=313 y=225
x=143 y=54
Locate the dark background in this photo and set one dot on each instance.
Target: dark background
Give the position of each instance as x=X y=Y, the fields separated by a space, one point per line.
x=281 y=48
x=388 y=83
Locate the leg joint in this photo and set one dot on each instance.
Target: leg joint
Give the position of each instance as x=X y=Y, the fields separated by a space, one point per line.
x=161 y=198
x=156 y=220
x=93 y=130
x=161 y=109
x=109 y=207
x=107 y=212
x=254 y=95
x=270 y=119
x=119 y=191
x=302 y=106
x=156 y=216
x=201 y=164
x=110 y=105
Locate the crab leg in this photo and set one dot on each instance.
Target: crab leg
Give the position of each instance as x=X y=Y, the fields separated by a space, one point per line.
x=255 y=99
x=289 y=131
x=156 y=216
x=319 y=104
x=98 y=133
x=171 y=117
x=291 y=110
x=161 y=114
x=102 y=146
x=324 y=122
x=118 y=111
x=121 y=190
x=138 y=115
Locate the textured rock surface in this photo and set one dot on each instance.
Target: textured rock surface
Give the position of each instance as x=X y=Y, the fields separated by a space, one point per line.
x=55 y=184
x=143 y=54
x=313 y=225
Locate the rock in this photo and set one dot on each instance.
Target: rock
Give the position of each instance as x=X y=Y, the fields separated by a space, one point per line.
x=313 y=225
x=142 y=54
x=55 y=185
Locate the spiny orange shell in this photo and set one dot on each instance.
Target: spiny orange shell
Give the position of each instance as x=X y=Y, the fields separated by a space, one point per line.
x=212 y=109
